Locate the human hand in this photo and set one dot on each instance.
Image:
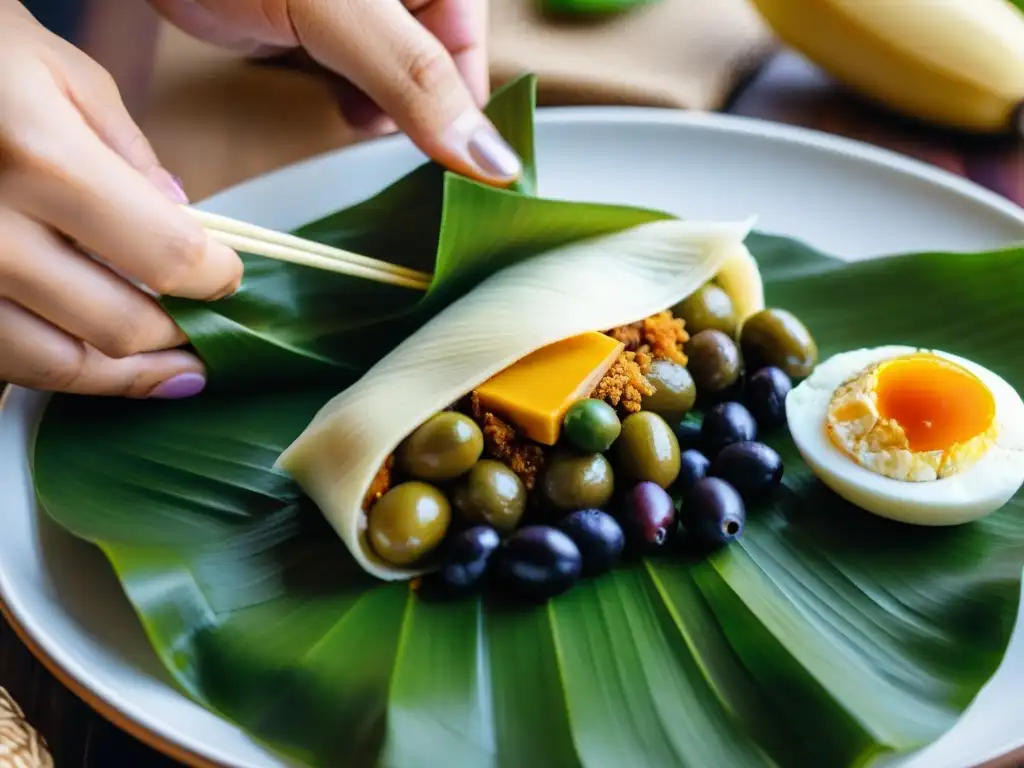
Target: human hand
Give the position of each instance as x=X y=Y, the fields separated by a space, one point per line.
x=77 y=177
x=424 y=62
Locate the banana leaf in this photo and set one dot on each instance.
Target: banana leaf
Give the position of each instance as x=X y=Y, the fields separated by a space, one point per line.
x=825 y=636
x=590 y=7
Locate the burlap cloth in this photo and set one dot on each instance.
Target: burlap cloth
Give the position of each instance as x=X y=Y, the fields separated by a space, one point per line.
x=215 y=120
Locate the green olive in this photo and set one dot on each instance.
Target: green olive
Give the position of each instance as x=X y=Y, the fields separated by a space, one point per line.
x=674 y=390
x=578 y=481
x=443 y=447
x=408 y=522
x=492 y=494
x=775 y=337
x=647 y=449
x=708 y=308
x=591 y=425
x=714 y=361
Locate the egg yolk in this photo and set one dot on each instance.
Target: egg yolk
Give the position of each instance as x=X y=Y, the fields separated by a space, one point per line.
x=918 y=417
x=936 y=402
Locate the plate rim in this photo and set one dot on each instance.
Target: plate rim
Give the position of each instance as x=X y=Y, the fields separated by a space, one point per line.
x=160 y=736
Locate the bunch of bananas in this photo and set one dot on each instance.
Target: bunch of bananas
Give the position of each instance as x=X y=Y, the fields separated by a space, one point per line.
x=958 y=63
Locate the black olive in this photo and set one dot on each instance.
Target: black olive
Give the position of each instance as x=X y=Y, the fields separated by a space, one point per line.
x=751 y=468
x=766 y=396
x=693 y=465
x=467 y=555
x=537 y=562
x=713 y=512
x=648 y=517
x=688 y=434
x=724 y=424
x=599 y=537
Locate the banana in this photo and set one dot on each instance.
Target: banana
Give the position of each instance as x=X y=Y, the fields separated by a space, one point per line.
x=741 y=279
x=958 y=63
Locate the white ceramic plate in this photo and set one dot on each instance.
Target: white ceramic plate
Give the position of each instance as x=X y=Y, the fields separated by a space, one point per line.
x=846 y=198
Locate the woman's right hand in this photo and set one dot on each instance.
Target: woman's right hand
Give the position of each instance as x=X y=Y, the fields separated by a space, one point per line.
x=77 y=176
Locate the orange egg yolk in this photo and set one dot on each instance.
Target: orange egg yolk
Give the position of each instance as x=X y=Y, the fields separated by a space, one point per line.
x=936 y=402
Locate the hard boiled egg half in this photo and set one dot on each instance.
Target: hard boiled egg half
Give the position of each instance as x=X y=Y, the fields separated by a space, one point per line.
x=915 y=435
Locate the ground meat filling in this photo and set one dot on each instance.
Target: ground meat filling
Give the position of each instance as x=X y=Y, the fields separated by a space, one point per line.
x=625 y=386
x=661 y=336
x=381 y=483
x=522 y=456
x=664 y=336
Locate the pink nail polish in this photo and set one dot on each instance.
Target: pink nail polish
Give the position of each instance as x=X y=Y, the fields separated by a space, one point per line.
x=476 y=139
x=180 y=186
x=179 y=387
x=170 y=185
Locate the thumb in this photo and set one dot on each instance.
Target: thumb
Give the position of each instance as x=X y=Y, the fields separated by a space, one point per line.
x=380 y=47
x=96 y=96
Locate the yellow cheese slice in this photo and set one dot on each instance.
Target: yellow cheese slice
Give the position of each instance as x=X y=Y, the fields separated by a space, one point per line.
x=534 y=393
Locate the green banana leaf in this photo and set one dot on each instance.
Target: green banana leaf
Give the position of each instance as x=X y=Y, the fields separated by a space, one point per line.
x=590 y=7
x=826 y=636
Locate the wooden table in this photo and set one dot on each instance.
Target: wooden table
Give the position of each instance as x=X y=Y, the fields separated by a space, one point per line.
x=787 y=90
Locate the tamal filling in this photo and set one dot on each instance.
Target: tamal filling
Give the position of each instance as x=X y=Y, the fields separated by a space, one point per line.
x=659 y=337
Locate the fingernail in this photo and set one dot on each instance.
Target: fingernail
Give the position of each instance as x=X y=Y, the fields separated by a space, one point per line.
x=179 y=387
x=486 y=148
x=179 y=184
x=171 y=186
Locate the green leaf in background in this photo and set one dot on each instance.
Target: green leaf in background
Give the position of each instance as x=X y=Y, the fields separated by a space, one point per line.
x=826 y=636
x=590 y=7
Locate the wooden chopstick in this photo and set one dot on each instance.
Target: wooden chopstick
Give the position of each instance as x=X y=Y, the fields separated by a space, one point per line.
x=296 y=250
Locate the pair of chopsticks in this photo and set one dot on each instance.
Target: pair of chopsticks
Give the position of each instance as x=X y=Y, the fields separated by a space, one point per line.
x=279 y=246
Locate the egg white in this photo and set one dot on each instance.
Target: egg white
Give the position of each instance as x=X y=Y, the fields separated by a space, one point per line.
x=969 y=495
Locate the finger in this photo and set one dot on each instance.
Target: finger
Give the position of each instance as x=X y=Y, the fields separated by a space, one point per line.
x=35 y=354
x=359 y=110
x=195 y=20
x=75 y=183
x=461 y=27
x=416 y=83
x=42 y=273
x=95 y=94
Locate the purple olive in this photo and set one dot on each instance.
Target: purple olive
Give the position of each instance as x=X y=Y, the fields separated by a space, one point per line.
x=693 y=465
x=467 y=555
x=599 y=538
x=538 y=562
x=766 y=396
x=724 y=424
x=649 y=517
x=751 y=468
x=713 y=512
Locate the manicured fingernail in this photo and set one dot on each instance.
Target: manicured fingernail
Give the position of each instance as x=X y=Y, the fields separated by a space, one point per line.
x=171 y=186
x=485 y=147
x=179 y=387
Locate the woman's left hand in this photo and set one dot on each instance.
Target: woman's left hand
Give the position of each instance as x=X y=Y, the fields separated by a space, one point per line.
x=422 y=63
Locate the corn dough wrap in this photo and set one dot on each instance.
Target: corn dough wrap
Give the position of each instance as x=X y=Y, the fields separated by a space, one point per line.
x=590 y=285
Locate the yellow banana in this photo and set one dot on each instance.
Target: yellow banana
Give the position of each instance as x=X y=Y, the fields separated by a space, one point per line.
x=958 y=63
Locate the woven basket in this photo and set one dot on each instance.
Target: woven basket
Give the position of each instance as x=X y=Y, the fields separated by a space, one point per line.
x=21 y=746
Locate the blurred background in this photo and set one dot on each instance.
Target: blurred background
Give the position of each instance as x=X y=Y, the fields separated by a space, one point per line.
x=216 y=120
